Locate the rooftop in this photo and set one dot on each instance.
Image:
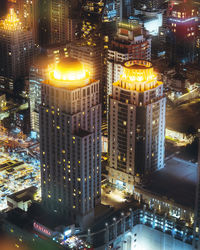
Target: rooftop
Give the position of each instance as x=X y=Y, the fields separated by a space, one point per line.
x=11 y=22
x=83 y=133
x=138 y=75
x=130 y=26
x=177 y=181
x=186 y=116
x=37 y=213
x=10 y=164
x=69 y=73
x=23 y=195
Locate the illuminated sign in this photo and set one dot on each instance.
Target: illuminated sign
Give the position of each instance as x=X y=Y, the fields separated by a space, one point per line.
x=68 y=232
x=183 y=20
x=42 y=229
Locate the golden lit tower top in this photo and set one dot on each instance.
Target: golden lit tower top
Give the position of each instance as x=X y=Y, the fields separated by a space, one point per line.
x=69 y=73
x=11 y=22
x=138 y=75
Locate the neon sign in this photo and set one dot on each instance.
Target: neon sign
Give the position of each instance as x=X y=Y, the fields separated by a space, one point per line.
x=41 y=229
x=183 y=20
x=68 y=232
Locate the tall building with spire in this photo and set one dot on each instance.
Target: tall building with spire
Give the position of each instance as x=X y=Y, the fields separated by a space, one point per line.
x=70 y=142
x=136 y=125
x=16 y=48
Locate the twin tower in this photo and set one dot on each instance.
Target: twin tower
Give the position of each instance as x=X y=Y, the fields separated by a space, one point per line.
x=70 y=135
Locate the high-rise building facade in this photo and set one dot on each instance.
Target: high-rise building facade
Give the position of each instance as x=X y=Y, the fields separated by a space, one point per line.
x=59 y=13
x=39 y=73
x=16 y=48
x=150 y=5
x=57 y=52
x=54 y=15
x=72 y=26
x=131 y=42
x=98 y=26
x=136 y=124
x=27 y=13
x=70 y=142
x=182 y=36
x=89 y=55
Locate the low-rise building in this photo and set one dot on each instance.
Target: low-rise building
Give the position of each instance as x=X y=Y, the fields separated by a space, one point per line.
x=21 y=199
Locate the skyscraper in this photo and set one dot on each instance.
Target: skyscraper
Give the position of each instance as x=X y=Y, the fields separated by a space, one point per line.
x=54 y=15
x=90 y=55
x=16 y=48
x=59 y=11
x=131 y=42
x=70 y=142
x=38 y=74
x=182 y=37
x=27 y=13
x=149 y=4
x=136 y=125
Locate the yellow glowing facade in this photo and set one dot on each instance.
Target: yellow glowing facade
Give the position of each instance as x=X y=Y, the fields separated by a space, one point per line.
x=129 y=26
x=69 y=74
x=11 y=22
x=138 y=75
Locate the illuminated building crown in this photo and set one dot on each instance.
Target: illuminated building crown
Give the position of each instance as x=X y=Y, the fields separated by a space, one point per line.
x=138 y=75
x=69 y=73
x=11 y=22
